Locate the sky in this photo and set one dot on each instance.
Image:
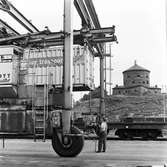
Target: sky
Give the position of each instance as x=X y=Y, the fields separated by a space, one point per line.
x=140 y=30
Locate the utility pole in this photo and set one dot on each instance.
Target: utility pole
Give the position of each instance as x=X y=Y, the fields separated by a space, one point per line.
x=166 y=53
x=102 y=104
x=67 y=66
x=110 y=69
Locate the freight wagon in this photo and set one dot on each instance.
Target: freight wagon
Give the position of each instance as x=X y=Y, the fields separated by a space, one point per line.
x=142 y=127
x=126 y=128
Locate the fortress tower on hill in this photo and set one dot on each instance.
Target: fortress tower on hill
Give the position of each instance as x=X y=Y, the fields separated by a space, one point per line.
x=136 y=81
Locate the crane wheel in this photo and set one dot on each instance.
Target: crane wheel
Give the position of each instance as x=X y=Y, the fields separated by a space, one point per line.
x=68 y=146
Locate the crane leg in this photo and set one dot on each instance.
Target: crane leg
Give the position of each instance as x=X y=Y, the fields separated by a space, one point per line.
x=68 y=141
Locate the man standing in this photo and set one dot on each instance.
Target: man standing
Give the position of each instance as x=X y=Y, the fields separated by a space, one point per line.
x=102 y=135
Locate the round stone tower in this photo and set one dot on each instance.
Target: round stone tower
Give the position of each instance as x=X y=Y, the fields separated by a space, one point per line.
x=136 y=75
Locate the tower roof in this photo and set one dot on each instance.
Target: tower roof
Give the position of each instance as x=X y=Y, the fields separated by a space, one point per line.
x=136 y=67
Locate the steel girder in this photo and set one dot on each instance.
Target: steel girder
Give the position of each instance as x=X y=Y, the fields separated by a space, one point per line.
x=57 y=38
x=12 y=11
x=8 y=28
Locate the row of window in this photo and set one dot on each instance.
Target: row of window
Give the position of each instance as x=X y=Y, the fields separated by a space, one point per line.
x=130 y=91
x=127 y=91
x=144 y=82
x=140 y=76
x=139 y=82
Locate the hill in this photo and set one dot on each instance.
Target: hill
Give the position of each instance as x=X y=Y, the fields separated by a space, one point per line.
x=126 y=106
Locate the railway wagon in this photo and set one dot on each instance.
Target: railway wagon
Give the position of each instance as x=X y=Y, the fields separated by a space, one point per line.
x=143 y=127
x=127 y=128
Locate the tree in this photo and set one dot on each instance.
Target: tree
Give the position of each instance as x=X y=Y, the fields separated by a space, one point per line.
x=93 y=94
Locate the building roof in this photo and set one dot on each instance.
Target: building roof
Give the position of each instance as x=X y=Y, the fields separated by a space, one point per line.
x=129 y=87
x=135 y=86
x=136 y=67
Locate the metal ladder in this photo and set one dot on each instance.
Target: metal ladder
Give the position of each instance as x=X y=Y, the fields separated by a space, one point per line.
x=39 y=118
x=40 y=113
x=39 y=124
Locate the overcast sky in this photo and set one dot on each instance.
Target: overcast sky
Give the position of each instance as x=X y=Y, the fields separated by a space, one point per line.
x=140 y=29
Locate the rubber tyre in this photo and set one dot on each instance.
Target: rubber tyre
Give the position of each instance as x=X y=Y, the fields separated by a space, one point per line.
x=75 y=147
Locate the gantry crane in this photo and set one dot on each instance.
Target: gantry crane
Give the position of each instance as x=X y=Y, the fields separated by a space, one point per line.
x=67 y=140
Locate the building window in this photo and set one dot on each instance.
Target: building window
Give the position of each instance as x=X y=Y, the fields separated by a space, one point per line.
x=146 y=76
x=128 y=76
x=147 y=82
x=6 y=58
x=138 y=76
x=144 y=82
x=119 y=92
x=133 y=81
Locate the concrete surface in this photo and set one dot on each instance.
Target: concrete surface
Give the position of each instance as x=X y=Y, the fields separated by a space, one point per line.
x=19 y=153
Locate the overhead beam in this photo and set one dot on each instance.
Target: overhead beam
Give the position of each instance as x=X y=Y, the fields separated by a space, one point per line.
x=59 y=36
x=12 y=11
x=82 y=11
x=105 y=39
x=92 y=12
x=106 y=30
x=8 y=28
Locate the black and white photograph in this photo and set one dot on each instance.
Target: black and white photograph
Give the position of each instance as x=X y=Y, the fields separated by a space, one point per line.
x=83 y=83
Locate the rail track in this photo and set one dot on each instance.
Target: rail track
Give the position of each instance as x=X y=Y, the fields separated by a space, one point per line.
x=133 y=139
x=87 y=137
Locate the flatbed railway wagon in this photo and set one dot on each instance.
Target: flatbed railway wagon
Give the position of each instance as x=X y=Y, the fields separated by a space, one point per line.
x=126 y=128
x=141 y=127
x=145 y=130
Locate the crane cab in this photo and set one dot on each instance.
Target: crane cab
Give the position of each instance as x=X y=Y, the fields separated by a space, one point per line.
x=9 y=70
